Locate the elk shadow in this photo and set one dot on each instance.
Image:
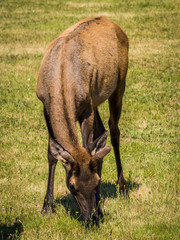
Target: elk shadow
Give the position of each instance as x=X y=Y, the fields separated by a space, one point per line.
x=70 y=206
x=133 y=185
x=11 y=231
x=111 y=190
x=108 y=190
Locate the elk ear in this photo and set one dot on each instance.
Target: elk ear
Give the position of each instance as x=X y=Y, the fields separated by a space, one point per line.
x=98 y=144
x=99 y=156
x=102 y=153
x=99 y=150
x=60 y=154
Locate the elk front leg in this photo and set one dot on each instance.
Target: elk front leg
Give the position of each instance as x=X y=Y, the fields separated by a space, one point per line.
x=115 y=107
x=48 y=200
x=98 y=131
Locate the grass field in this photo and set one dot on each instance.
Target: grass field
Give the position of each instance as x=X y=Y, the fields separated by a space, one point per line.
x=149 y=124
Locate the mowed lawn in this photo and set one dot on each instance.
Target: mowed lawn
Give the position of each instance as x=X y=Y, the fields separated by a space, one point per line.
x=149 y=123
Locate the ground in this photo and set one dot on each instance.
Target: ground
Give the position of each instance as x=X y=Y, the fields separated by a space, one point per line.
x=149 y=124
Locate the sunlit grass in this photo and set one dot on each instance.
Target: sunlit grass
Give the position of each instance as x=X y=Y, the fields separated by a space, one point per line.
x=149 y=124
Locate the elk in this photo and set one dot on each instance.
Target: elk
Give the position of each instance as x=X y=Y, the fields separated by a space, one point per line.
x=86 y=65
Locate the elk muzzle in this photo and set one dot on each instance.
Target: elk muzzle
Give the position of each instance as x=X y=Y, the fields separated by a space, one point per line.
x=88 y=209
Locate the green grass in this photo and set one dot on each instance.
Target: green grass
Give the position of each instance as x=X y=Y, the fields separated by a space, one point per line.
x=149 y=124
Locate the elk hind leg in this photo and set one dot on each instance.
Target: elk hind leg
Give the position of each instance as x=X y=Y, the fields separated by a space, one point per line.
x=115 y=107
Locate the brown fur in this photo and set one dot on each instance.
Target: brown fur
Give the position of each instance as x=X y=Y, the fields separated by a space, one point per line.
x=83 y=67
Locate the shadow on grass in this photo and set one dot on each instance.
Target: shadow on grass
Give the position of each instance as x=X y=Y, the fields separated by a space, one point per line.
x=108 y=190
x=133 y=185
x=70 y=205
x=11 y=231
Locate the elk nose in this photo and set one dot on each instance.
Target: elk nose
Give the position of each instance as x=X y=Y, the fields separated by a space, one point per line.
x=92 y=220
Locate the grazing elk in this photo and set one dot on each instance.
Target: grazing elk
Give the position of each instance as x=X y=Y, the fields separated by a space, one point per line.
x=83 y=67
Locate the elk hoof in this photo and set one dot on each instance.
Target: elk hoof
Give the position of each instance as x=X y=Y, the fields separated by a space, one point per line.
x=48 y=211
x=47 y=208
x=44 y=212
x=123 y=187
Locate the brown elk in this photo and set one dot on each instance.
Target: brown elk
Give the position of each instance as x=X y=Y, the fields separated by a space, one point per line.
x=83 y=67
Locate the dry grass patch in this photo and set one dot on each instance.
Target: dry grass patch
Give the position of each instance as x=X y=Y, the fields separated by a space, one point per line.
x=18 y=48
x=141 y=124
x=89 y=4
x=143 y=193
x=93 y=14
x=142 y=48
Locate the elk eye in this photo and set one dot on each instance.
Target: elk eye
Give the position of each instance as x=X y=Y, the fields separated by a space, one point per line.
x=71 y=186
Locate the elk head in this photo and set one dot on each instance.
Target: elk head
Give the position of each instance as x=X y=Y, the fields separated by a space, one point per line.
x=82 y=177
